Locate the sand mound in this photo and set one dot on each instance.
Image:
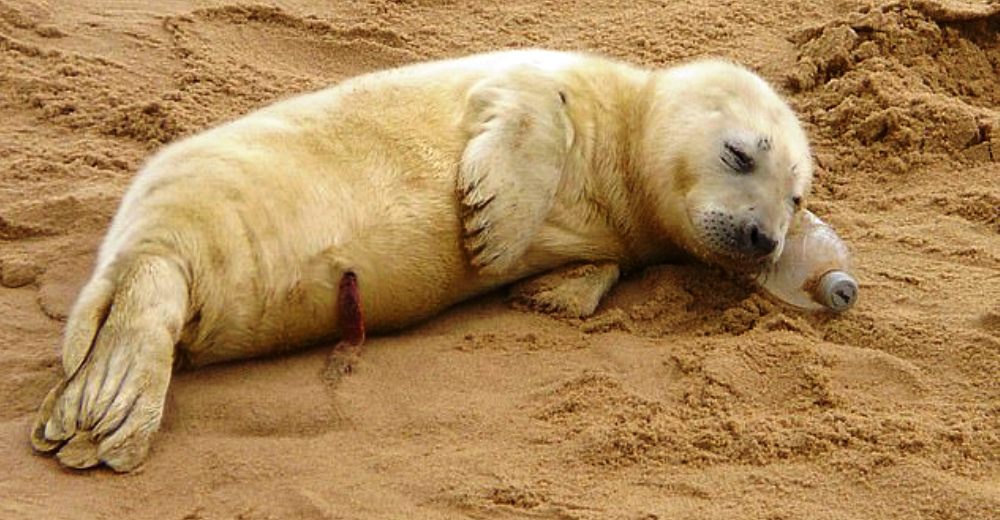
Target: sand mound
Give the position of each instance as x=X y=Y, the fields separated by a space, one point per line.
x=917 y=77
x=688 y=395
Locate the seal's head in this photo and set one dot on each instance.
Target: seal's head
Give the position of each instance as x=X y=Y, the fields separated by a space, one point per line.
x=725 y=163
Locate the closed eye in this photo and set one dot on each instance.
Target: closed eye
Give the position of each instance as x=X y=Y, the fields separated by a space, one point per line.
x=736 y=159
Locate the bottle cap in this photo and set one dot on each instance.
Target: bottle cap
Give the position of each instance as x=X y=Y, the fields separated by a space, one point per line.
x=837 y=290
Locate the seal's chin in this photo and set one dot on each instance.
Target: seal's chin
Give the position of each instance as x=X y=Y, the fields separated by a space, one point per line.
x=738 y=263
x=731 y=261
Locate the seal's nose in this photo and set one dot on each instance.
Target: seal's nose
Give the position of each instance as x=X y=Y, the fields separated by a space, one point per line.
x=752 y=240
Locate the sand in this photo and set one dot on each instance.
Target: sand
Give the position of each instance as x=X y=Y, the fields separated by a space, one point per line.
x=689 y=395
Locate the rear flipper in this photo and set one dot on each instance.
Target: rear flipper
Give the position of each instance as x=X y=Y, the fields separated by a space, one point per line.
x=117 y=357
x=573 y=291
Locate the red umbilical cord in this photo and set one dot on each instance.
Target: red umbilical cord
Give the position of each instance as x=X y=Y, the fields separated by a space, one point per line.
x=352 y=318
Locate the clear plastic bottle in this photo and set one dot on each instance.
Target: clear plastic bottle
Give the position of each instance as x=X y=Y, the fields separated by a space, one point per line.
x=813 y=271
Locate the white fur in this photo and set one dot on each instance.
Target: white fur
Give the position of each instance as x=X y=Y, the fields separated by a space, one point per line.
x=231 y=243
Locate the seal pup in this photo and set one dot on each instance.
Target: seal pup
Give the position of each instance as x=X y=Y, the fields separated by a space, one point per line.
x=413 y=189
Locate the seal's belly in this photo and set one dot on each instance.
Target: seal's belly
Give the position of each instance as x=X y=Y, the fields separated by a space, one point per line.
x=306 y=218
x=405 y=273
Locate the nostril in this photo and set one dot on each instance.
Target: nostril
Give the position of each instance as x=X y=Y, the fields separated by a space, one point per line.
x=755 y=241
x=764 y=244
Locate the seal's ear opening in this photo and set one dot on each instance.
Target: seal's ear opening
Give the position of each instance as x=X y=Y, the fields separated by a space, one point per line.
x=798 y=197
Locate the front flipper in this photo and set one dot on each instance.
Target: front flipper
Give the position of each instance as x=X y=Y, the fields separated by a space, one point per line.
x=512 y=164
x=573 y=291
